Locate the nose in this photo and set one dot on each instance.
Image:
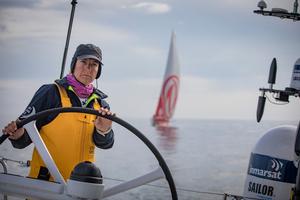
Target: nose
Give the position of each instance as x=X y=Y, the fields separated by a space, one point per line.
x=89 y=66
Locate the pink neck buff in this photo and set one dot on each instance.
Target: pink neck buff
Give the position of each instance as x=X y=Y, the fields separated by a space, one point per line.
x=81 y=90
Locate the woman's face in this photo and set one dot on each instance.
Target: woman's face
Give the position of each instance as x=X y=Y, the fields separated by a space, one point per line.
x=86 y=70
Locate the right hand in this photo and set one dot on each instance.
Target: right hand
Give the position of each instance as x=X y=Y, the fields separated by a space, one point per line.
x=103 y=124
x=11 y=130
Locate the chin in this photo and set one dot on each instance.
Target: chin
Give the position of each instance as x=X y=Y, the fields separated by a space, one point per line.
x=86 y=81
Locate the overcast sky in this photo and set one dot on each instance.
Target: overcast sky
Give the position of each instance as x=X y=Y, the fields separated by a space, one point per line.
x=225 y=51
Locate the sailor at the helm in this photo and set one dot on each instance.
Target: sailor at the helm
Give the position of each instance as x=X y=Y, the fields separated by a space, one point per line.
x=70 y=137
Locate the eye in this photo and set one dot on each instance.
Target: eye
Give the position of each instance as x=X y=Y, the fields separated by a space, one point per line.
x=95 y=65
x=83 y=61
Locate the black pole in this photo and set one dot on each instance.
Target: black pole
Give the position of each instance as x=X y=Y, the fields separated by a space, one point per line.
x=74 y=2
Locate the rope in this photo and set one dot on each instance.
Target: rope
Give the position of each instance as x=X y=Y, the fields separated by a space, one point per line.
x=21 y=163
x=237 y=197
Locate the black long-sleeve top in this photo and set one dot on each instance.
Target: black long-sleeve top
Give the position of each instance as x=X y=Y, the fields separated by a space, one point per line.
x=48 y=97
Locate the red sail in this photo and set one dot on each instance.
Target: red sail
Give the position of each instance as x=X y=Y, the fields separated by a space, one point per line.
x=167 y=100
x=168 y=96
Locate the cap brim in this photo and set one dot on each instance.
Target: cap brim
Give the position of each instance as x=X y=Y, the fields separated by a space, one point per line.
x=88 y=56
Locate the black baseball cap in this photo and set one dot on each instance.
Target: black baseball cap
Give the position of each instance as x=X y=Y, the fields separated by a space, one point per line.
x=84 y=51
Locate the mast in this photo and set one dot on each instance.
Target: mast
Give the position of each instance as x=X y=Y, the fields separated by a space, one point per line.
x=73 y=3
x=169 y=92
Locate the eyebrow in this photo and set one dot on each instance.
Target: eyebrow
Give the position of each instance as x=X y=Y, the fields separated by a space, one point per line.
x=91 y=59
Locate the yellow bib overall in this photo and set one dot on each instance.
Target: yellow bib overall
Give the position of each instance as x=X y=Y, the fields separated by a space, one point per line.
x=68 y=139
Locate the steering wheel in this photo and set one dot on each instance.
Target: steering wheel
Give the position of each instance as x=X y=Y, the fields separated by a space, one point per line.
x=121 y=122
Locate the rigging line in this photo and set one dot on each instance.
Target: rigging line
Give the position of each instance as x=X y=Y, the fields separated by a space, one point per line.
x=189 y=190
x=22 y=163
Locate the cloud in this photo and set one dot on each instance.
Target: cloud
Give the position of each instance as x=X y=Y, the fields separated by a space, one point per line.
x=17 y=3
x=152 y=8
x=105 y=32
x=28 y=23
x=23 y=23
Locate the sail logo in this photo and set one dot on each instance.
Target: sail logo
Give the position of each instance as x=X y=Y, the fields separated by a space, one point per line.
x=271 y=168
x=276 y=165
x=169 y=95
x=265 y=173
x=274 y=173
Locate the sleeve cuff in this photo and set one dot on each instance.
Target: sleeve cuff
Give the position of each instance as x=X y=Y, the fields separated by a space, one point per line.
x=103 y=133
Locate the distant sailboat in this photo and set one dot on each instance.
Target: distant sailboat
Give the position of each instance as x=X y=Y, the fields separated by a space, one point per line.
x=169 y=92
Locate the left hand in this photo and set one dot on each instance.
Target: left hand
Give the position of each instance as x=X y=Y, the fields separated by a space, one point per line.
x=12 y=131
x=102 y=123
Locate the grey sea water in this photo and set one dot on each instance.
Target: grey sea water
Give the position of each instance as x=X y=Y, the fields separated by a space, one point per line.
x=206 y=157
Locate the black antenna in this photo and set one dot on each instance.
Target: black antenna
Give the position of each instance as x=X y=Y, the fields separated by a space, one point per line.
x=260 y=107
x=74 y=2
x=272 y=73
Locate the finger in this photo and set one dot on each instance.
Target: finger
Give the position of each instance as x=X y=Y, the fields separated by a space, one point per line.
x=101 y=111
x=9 y=133
x=110 y=113
x=11 y=129
x=8 y=129
x=13 y=125
x=105 y=111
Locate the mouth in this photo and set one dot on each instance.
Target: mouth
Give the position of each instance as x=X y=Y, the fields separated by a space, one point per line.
x=86 y=76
